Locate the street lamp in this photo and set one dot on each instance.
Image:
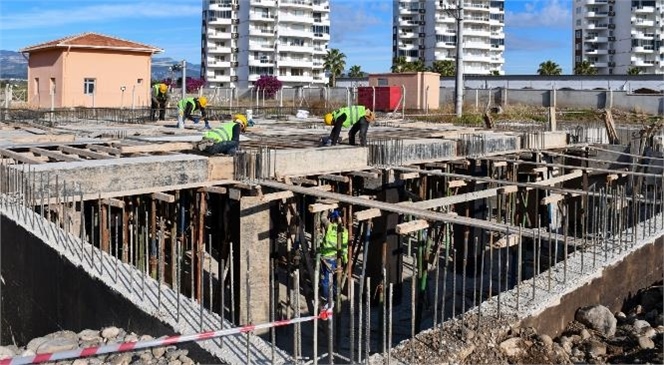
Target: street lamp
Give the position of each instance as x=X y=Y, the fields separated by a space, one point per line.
x=122 y=89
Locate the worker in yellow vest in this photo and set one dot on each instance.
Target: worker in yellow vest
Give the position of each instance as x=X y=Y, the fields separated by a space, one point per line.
x=187 y=106
x=224 y=139
x=159 y=99
x=355 y=117
x=328 y=252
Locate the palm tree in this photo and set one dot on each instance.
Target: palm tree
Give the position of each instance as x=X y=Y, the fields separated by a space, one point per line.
x=634 y=71
x=444 y=67
x=549 y=68
x=334 y=62
x=585 y=68
x=399 y=64
x=355 y=71
x=417 y=66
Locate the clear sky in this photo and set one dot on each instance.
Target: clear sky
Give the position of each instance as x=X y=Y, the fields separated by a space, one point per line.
x=536 y=30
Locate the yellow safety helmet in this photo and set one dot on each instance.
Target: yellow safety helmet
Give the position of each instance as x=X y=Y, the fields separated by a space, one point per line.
x=328 y=119
x=163 y=88
x=241 y=119
x=203 y=101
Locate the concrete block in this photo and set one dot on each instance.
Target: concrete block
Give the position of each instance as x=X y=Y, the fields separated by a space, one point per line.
x=220 y=168
x=121 y=174
x=544 y=140
x=427 y=150
x=311 y=161
x=487 y=144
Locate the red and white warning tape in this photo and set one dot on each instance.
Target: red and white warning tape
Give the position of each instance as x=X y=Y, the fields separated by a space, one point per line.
x=132 y=346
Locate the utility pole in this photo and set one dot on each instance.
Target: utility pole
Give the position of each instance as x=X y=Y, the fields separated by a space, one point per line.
x=184 y=79
x=458 y=85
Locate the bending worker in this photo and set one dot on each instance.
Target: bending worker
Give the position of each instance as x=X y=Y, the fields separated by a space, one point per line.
x=187 y=106
x=355 y=117
x=159 y=99
x=225 y=138
x=328 y=252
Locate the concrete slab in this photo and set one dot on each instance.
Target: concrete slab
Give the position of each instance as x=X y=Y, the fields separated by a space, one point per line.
x=486 y=143
x=311 y=161
x=544 y=140
x=112 y=175
x=427 y=150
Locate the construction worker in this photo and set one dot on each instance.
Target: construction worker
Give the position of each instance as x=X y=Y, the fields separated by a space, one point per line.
x=328 y=251
x=187 y=106
x=355 y=117
x=159 y=99
x=224 y=139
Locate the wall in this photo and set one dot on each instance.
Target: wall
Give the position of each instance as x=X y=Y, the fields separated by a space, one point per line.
x=45 y=65
x=112 y=70
x=42 y=292
x=415 y=84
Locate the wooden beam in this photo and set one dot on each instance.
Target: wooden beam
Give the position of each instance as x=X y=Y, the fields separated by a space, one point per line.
x=59 y=156
x=302 y=181
x=367 y=214
x=157 y=147
x=365 y=174
x=85 y=153
x=215 y=190
x=277 y=196
x=558 y=179
x=320 y=207
x=104 y=149
x=409 y=175
x=115 y=203
x=456 y=184
x=168 y=198
x=337 y=178
x=412 y=226
x=499 y=163
x=20 y=157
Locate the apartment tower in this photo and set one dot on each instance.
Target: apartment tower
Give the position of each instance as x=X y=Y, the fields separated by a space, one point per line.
x=427 y=30
x=244 y=39
x=620 y=36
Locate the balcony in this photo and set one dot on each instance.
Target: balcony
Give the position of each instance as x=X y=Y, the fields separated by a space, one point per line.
x=643 y=63
x=294 y=47
x=497 y=47
x=408 y=35
x=409 y=23
x=407 y=47
x=320 y=5
x=475 y=6
x=261 y=62
x=219 y=21
x=476 y=45
x=298 y=33
x=445 y=45
x=294 y=62
x=597 y=26
x=219 y=50
x=640 y=22
x=476 y=57
x=262 y=17
x=596 y=2
x=643 y=49
x=322 y=36
x=285 y=78
x=644 y=10
x=476 y=19
x=219 y=78
x=641 y=35
x=254 y=46
x=264 y=3
x=219 y=64
x=596 y=51
x=481 y=32
x=292 y=18
x=597 y=14
x=301 y=4
x=219 y=35
x=600 y=64
x=320 y=50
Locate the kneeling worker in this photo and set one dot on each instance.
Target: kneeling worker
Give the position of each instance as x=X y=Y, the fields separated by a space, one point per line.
x=355 y=117
x=224 y=139
x=187 y=106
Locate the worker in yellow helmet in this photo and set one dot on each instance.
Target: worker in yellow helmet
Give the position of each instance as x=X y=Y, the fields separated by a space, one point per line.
x=187 y=106
x=159 y=99
x=224 y=139
x=355 y=117
x=333 y=246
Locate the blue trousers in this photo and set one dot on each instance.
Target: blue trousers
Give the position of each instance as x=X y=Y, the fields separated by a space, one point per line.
x=326 y=270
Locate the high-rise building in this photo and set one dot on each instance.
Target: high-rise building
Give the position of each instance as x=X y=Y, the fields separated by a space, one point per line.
x=616 y=36
x=427 y=30
x=244 y=39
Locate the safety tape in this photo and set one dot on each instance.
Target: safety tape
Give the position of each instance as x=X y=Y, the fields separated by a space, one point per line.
x=171 y=340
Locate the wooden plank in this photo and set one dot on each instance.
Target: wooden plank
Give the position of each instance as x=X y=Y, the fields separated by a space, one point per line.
x=499 y=163
x=302 y=181
x=20 y=157
x=104 y=149
x=558 y=179
x=48 y=138
x=323 y=187
x=456 y=184
x=320 y=207
x=115 y=203
x=168 y=198
x=215 y=190
x=365 y=174
x=337 y=178
x=85 y=153
x=59 y=156
x=367 y=214
x=277 y=196
x=157 y=147
x=412 y=226
x=409 y=175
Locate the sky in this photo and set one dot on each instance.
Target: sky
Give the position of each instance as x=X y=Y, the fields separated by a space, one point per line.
x=535 y=30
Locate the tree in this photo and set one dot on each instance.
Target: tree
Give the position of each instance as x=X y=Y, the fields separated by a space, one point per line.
x=494 y=73
x=634 y=71
x=334 y=62
x=444 y=67
x=194 y=84
x=270 y=84
x=355 y=71
x=417 y=66
x=549 y=68
x=399 y=64
x=585 y=68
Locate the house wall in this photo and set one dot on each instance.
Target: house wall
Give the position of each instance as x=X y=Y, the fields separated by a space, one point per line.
x=415 y=84
x=112 y=70
x=45 y=66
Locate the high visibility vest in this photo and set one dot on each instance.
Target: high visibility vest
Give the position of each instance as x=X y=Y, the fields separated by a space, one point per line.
x=222 y=133
x=329 y=247
x=182 y=104
x=353 y=114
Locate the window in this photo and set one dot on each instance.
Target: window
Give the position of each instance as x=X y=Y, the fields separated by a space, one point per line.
x=36 y=83
x=89 y=86
x=139 y=81
x=382 y=82
x=52 y=86
x=297 y=72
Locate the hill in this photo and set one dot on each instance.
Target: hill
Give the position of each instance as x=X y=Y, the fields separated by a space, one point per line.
x=14 y=66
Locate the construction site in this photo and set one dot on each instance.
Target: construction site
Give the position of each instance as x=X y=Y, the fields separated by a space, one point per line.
x=111 y=220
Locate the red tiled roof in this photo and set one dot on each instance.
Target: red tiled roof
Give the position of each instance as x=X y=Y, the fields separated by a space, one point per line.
x=94 y=40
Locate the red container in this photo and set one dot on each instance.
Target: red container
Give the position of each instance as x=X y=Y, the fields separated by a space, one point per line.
x=387 y=97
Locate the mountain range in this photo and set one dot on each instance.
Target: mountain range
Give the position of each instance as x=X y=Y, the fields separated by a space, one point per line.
x=14 y=66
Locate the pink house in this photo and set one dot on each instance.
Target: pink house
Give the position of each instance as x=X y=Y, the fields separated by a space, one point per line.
x=89 y=70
